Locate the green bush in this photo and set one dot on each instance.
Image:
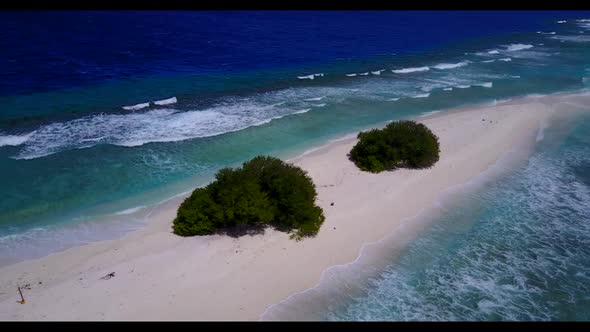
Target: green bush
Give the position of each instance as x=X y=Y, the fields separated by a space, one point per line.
x=399 y=144
x=265 y=191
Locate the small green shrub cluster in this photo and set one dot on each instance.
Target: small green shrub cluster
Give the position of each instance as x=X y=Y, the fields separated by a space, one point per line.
x=399 y=144
x=264 y=192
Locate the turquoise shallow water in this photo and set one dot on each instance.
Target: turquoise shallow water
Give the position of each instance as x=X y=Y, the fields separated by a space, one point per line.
x=74 y=176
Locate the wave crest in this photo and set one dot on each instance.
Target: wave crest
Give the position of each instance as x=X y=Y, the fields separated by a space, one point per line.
x=518 y=47
x=14 y=140
x=168 y=101
x=411 y=70
x=136 y=106
x=451 y=65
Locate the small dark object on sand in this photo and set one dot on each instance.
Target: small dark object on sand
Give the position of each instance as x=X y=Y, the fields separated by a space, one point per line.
x=108 y=276
x=332 y=204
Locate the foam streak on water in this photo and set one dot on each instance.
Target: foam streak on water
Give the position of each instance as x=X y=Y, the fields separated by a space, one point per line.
x=451 y=65
x=167 y=101
x=411 y=70
x=518 y=47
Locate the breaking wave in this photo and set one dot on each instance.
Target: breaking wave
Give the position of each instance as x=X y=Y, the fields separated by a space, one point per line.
x=451 y=65
x=136 y=106
x=410 y=70
x=135 y=129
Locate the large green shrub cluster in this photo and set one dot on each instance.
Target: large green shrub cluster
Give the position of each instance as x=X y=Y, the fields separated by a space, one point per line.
x=265 y=191
x=399 y=144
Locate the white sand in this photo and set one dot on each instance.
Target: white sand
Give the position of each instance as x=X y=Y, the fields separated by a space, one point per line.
x=160 y=276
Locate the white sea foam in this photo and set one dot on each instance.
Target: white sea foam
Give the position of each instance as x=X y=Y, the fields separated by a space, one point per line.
x=575 y=39
x=351 y=75
x=488 y=61
x=424 y=95
x=505 y=59
x=430 y=84
x=425 y=114
x=448 y=89
x=502 y=101
x=410 y=70
x=518 y=47
x=462 y=86
x=319 y=105
x=158 y=125
x=295 y=112
x=277 y=104
x=393 y=99
x=493 y=52
x=315 y=98
x=485 y=85
x=168 y=101
x=377 y=72
x=94 y=139
x=546 y=33
x=451 y=65
x=530 y=54
x=364 y=74
x=562 y=21
x=306 y=77
x=318 y=74
x=136 y=107
x=130 y=211
x=14 y=140
x=541 y=131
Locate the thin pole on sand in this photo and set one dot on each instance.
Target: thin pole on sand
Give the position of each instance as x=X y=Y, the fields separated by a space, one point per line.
x=21 y=296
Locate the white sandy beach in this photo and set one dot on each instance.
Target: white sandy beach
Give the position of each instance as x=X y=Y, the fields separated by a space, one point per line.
x=160 y=276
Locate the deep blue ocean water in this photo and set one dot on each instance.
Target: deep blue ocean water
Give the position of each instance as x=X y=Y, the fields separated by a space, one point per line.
x=59 y=50
x=81 y=152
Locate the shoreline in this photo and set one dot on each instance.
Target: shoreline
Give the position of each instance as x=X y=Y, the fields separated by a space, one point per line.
x=378 y=253
x=98 y=258
x=142 y=211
